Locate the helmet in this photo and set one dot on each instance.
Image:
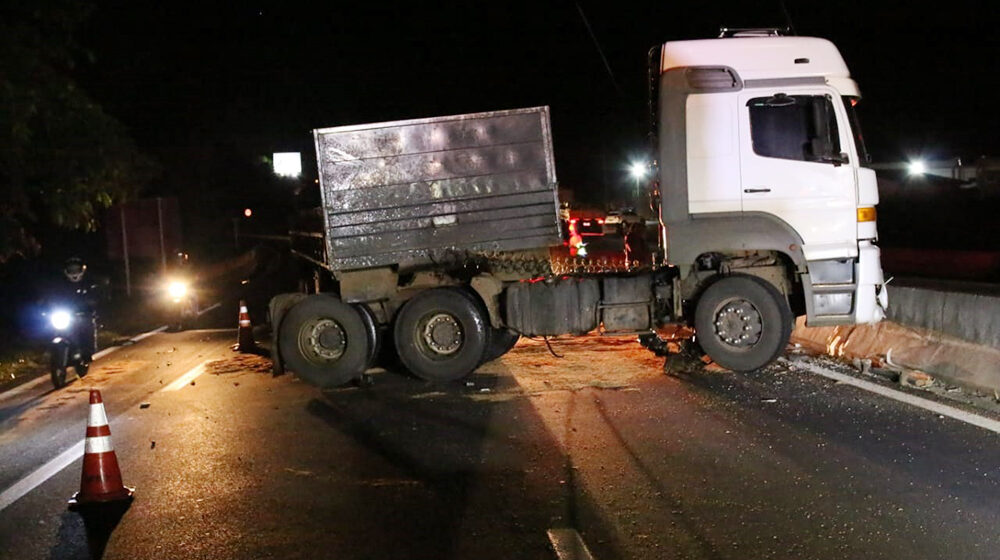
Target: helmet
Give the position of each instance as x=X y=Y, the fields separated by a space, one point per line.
x=74 y=269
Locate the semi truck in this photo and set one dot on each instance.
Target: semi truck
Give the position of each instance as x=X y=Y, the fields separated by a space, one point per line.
x=437 y=233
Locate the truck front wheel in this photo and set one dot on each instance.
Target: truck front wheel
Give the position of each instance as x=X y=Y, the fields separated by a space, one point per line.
x=441 y=335
x=742 y=322
x=325 y=341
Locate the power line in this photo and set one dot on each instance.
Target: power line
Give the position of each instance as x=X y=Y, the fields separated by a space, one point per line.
x=600 y=51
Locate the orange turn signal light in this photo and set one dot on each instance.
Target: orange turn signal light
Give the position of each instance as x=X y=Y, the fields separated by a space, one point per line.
x=866 y=214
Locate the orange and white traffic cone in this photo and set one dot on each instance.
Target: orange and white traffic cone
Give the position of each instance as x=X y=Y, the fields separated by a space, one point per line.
x=101 y=481
x=244 y=337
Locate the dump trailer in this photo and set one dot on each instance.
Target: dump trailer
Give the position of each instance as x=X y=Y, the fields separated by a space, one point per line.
x=437 y=232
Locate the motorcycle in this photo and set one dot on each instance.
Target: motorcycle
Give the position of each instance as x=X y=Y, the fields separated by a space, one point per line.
x=68 y=348
x=182 y=302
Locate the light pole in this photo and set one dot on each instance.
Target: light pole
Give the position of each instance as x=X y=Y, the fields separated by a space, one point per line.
x=638 y=170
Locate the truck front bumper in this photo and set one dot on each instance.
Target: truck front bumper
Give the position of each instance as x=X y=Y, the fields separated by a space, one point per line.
x=842 y=292
x=871 y=299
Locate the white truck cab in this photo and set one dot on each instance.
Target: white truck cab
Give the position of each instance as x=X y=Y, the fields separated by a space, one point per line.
x=760 y=152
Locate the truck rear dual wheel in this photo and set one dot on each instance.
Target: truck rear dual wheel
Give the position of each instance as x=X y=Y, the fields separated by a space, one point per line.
x=325 y=341
x=441 y=334
x=742 y=322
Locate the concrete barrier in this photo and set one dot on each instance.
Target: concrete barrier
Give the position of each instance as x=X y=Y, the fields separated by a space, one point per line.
x=952 y=335
x=970 y=317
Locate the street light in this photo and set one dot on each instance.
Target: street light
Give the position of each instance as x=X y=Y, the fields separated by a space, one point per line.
x=287 y=164
x=638 y=170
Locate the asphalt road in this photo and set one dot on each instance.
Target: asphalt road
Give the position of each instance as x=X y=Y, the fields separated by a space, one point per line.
x=239 y=464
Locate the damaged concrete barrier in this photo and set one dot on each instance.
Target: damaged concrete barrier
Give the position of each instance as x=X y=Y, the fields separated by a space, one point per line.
x=951 y=335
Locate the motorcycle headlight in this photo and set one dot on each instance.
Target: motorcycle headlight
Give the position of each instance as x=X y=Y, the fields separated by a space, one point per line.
x=60 y=319
x=177 y=290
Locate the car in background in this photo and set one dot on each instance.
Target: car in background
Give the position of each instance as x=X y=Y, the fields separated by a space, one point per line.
x=617 y=221
x=587 y=226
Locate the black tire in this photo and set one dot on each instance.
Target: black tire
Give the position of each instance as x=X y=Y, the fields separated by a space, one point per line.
x=58 y=376
x=452 y=349
x=324 y=341
x=375 y=335
x=497 y=339
x=58 y=366
x=501 y=342
x=742 y=322
x=82 y=368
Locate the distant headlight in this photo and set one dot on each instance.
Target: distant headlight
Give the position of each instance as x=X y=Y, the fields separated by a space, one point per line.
x=177 y=289
x=60 y=319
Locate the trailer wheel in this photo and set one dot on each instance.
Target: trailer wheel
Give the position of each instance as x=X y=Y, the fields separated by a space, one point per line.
x=441 y=335
x=742 y=322
x=325 y=341
x=501 y=342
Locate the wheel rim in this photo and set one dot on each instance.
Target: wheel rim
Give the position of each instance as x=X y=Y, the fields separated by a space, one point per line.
x=322 y=340
x=738 y=323
x=440 y=334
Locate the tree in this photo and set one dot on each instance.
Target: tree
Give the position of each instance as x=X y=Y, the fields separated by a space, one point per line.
x=63 y=157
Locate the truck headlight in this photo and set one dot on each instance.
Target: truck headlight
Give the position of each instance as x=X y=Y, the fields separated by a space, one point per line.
x=60 y=319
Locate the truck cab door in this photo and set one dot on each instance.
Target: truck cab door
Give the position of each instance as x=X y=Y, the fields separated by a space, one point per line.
x=794 y=165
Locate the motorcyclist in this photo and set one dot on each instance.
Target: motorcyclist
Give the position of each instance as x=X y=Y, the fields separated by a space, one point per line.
x=80 y=294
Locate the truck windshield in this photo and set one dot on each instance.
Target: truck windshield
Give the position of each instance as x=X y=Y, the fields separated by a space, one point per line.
x=850 y=104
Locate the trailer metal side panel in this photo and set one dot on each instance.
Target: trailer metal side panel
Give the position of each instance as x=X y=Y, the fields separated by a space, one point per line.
x=417 y=192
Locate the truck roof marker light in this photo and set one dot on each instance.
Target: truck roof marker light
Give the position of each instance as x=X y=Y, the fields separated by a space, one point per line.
x=866 y=214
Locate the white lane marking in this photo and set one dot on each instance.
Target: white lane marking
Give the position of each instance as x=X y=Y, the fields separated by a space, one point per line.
x=43 y=473
x=22 y=388
x=97 y=355
x=215 y=305
x=101 y=353
x=926 y=404
x=148 y=334
x=569 y=545
x=188 y=377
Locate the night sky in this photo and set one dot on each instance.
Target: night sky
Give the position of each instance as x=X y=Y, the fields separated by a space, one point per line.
x=199 y=85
